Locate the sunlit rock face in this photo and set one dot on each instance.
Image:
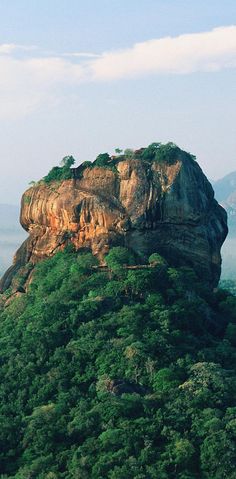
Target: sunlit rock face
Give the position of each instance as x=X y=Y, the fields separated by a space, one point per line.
x=148 y=207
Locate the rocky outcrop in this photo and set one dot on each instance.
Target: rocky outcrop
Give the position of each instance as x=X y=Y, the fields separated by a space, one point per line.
x=148 y=207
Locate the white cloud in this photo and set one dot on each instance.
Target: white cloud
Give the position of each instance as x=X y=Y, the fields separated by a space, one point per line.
x=27 y=84
x=32 y=80
x=81 y=55
x=8 y=48
x=207 y=51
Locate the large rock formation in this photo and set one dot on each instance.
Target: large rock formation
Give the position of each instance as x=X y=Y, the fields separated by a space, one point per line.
x=147 y=206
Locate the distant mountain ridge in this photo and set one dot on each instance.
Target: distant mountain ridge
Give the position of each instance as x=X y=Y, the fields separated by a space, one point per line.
x=225 y=186
x=225 y=192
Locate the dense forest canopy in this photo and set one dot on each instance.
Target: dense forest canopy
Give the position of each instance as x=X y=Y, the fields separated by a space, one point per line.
x=119 y=372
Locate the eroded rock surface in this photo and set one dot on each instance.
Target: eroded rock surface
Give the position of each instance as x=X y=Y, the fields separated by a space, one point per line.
x=149 y=207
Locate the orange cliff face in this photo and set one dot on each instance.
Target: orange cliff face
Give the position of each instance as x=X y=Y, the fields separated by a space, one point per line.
x=149 y=208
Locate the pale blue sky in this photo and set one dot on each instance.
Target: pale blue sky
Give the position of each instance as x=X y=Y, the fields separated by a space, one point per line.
x=52 y=105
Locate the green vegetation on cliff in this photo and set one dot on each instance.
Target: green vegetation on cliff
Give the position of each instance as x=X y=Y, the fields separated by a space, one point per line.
x=167 y=153
x=60 y=173
x=117 y=373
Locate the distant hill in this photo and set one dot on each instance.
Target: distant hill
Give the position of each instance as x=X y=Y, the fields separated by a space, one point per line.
x=11 y=234
x=225 y=186
x=225 y=192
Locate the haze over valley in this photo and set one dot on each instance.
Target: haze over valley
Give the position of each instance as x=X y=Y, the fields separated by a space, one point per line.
x=11 y=234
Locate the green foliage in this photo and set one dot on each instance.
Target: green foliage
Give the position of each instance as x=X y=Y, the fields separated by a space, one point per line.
x=119 y=256
x=164 y=380
x=150 y=151
x=105 y=161
x=168 y=153
x=60 y=173
x=156 y=259
x=129 y=153
x=67 y=161
x=26 y=199
x=102 y=160
x=107 y=375
x=163 y=153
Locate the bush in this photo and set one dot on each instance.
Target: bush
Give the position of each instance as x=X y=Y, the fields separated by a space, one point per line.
x=119 y=256
x=60 y=173
x=168 y=153
x=157 y=260
x=102 y=160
